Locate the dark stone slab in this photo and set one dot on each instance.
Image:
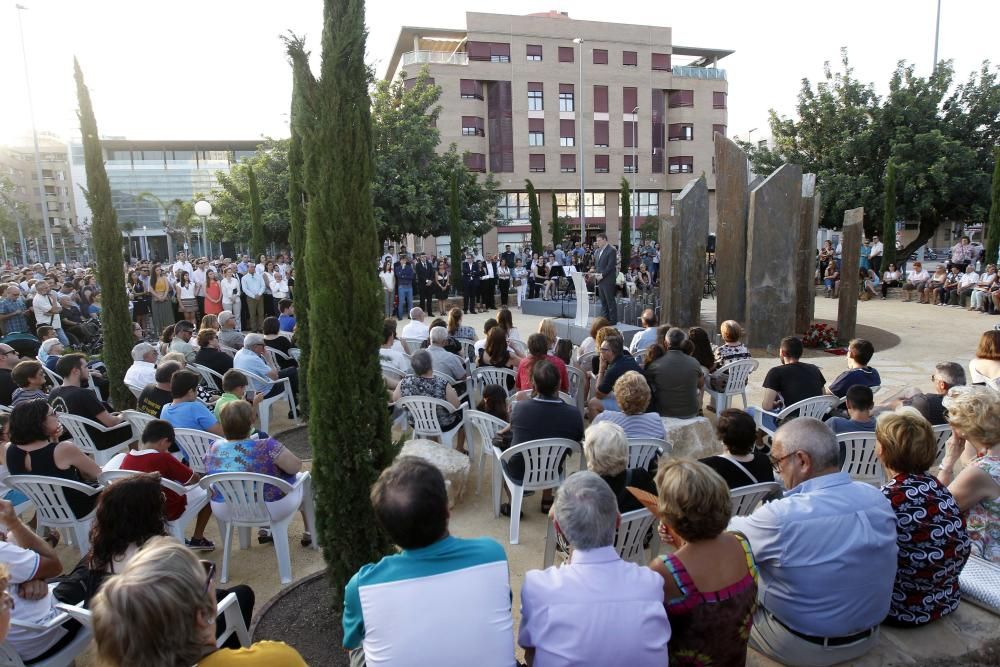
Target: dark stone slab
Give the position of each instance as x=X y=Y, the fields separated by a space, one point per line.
x=850 y=265
x=731 y=201
x=805 y=282
x=669 y=274
x=772 y=251
x=686 y=266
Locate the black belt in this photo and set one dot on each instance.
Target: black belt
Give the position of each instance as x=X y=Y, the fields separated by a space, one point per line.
x=826 y=641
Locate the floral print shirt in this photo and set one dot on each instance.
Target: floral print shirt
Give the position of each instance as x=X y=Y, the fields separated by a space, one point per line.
x=984 y=519
x=250 y=455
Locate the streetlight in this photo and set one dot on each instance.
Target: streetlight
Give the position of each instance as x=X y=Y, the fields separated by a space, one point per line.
x=203 y=209
x=34 y=134
x=145 y=240
x=635 y=168
x=583 y=216
x=749 y=175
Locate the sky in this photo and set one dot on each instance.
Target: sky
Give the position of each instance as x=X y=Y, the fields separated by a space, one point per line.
x=217 y=69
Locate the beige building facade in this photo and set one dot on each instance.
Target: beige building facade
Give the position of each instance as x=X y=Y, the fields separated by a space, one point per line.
x=552 y=99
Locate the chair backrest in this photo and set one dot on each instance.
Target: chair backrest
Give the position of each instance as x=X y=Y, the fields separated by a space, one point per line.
x=5 y=409
x=942 y=432
x=640 y=355
x=747 y=498
x=567 y=399
x=49 y=496
x=630 y=540
x=412 y=344
x=861 y=462
x=520 y=349
x=390 y=372
x=738 y=373
x=468 y=349
x=231 y=351
x=111 y=476
x=423 y=413
x=278 y=354
x=135 y=389
x=211 y=378
x=137 y=420
x=77 y=428
x=53 y=376
x=641 y=451
x=482 y=424
x=575 y=380
x=486 y=375
x=541 y=460
x=195 y=444
x=816 y=407
x=585 y=361
x=243 y=493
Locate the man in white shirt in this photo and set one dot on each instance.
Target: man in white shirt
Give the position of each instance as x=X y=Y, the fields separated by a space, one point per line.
x=198 y=278
x=875 y=255
x=229 y=287
x=388 y=354
x=648 y=336
x=182 y=265
x=598 y=609
x=143 y=368
x=967 y=283
x=416 y=328
x=916 y=279
x=253 y=289
x=47 y=309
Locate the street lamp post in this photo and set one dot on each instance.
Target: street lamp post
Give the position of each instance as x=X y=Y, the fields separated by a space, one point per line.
x=203 y=209
x=749 y=132
x=583 y=215
x=34 y=134
x=635 y=168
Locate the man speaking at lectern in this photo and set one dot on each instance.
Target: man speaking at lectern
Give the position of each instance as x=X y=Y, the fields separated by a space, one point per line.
x=606 y=270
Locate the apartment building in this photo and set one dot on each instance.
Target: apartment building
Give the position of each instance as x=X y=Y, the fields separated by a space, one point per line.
x=563 y=102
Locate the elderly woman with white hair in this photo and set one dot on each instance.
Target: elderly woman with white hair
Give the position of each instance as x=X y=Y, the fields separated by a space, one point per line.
x=423 y=382
x=606 y=449
x=632 y=394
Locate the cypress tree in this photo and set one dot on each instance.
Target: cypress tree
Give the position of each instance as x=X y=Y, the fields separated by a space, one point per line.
x=625 y=226
x=349 y=426
x=535 y=217
x=297 y=219
x=993 y=222
x=889 y=218
x=558 y=228
x=455 y=228
x=117 y=324
x=257 y=241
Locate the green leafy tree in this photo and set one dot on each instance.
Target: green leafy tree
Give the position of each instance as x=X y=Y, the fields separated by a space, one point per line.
x=559 y=226
x=625 y=227
x=116 y=322
x=257 y=240
x=455 y=226
x=993 y=225
x=231 y=203
x=12 y=210
x=349 y=426
x=534 y=217
x=889 y=218
x=649 y=230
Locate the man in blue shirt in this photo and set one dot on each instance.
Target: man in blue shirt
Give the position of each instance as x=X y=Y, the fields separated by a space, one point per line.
x=398 y=608
x=859 y=353
x=648 y=336
x=286 y=320
x=253 y=289
x=405 y=275
x=186 y=411
x=12 y=311
x=826 y=554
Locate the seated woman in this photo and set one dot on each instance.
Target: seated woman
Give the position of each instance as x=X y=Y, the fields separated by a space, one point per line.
x=209 y=355
x=35 y=449
x=710 y=581
x=589 y=343
x=891 y=277
x=985 y=368
x=702 y=348
x=547 y=328
x=423 y=382
x=974 y=417
x=239 y=451
x=632 y=396
x=274 y=340
x=164 y=585
x=869 y=283
x=929 y=293
x=932 y=540
x=741 y=465
x=455 y=327
x=497 y=355
x=831 y=279
x=606 y=449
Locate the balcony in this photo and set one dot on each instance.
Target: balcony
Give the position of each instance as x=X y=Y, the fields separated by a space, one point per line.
x=700 y=72
x=435 y=58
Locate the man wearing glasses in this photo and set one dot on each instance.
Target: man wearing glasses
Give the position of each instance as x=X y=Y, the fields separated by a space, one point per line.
x=826 y=553
x=8 y=359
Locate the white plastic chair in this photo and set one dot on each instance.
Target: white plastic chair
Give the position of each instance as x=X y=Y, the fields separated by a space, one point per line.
x=817 y=407
x=747 y=498
x=392 y=373
x=412 y=345
x=942 y=432
x=178 y=527
x=243 y=493
x=842 y=403
x=49 y=496
x=630 y=539
x=585 y=361
x=209 y=378
x=486 y=375
x=423 y=416
x=135 y=389
x=65 y=657
x=576 y=382
x=485 y=426
x=520 y=349
x=861 y=462
x=137 y=420
x=195 y=444
x=542 y=460
x=77 y=428
x=231 y=351
x=642 y=451
x=264 y=411
x=736 y=383
x=296 y=354
x=57 y=381
x=5 y=409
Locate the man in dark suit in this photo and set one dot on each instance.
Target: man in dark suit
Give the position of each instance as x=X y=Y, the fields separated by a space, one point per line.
x=508 y=255
x=606 y=264
x=470 y=284
x=425 y=288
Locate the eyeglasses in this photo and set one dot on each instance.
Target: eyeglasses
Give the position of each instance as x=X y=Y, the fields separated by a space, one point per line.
x=9 y=352
x=209 y=568
x=776 y=462
x=605 y=349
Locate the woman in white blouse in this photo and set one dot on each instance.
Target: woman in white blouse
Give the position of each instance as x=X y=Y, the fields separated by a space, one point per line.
x=230 y=285
x=279 y=286
x=503 y=278
x=388 y=278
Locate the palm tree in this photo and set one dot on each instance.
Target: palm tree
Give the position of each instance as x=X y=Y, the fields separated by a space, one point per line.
x=167 y=208
x=128 y=228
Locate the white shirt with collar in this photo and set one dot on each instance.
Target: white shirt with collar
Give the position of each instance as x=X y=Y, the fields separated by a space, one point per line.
x=415 y=329
x=141 y=373
x=968 y=280
x=198 y=278
x=182 y=266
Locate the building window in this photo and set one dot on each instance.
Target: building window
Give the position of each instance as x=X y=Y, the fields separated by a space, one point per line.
x=473 y=126
x=567 y=133
x=631 y=164
x=680 y=98
x=499 y=58
x=536 y=162
x=718 y=100
x=630 y=132
x=536 y=131
x=534 y=52
x=661 y=62
x=567 y=163
x=601 y=133
x=566 y=101
x=681 y=164
x=602 y=164
x=648 y=204
x=470 y=89
x=493 y=52
x=680 y=132
x=536 y=138
x=600 y=56
x=475 y=162
x=721 y=129
x=566 y=54
x=600 y=99
x=535 y=100
x=630 y=58
x=630 y=99
x=514 y=205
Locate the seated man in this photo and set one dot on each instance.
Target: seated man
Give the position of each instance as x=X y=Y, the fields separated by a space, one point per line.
x=388 y=354
x=613 y=364
x=72 y=398
x=675 y=379
x=155 y=396
x=286 y=319
x=185 y=410
x=791 y=382
x=859 y=410
x=444 y=361
x=228 y=335
x=183 y=331
x=30 y=381
x=859 y=353
x=51 y=350
x=598 y=609
x=648 y=335
x=143 y=368
x=9 y=359
x=463 y=584
x=416 y=328
x=947 y=374
x=255 y=358
x=826 y=554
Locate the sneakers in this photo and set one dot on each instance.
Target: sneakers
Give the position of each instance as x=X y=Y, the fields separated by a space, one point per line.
x=200 y=544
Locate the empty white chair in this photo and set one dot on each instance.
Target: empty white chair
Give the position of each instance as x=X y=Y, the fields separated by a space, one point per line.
x=576 y=382
x=817 y=407
x=737 y=376
x=77 y=428
x=412 y=345
x=264 y=410
x=195 y=444
x=942 y=432
x=642 y=451
x=135 y=389
x=747 y=498
x=424 y=417
x=487 y=375
x=196 y=497
x=630 y=539
x=52 y=509
x=244 y=507
x=542 y=459
x=861 y=462
x=482 y=427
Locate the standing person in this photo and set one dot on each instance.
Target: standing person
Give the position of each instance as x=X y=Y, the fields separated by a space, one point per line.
x=279 y=291
x=470 y=284
x=163 y=311
x=425 y=282
x=405 y=275
x=503 y=279
x=12 y=311
x=875 y=255
x=962 y=254
x=230 y=289
x=487 y=285
x=388 y=278
x=606 y=267
x=253 y=289
x=213 y=294
x=442 y=286
x=186 y=299
x=47 y=309
x=520 y=280
x=198 y=278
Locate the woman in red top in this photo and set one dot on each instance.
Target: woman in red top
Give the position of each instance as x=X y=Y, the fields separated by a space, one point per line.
x=538 y=348
x=213 y=294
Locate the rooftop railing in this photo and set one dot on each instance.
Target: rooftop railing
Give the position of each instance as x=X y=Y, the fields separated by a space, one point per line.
x=699 y=72
x=435 y=58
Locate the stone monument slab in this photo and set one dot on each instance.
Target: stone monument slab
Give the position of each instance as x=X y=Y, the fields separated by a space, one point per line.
x=850 y=266
x=731 y=201
x=686 y=266
x=805 y=286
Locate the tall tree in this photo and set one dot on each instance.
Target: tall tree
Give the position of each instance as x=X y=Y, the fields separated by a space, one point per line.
x=993 y=224
x=257 y=240
x=534 y=217
x=231 y=203
x=349 y=427
x=117 y=354
x=558 y=225
x=889 y=218
x=625 y=226
x=455 y=225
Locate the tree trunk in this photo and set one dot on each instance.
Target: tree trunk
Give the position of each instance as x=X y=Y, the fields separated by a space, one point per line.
x=928 y=225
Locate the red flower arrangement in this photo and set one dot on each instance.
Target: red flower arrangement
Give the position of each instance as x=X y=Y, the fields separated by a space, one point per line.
x=820 y=335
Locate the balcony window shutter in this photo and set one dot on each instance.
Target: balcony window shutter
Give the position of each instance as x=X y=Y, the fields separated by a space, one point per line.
x=630 y=99
x=719 y=100
x=602 y=163
x=534 y=86
x=567 y=161
x=475 y=162
x=628 y=161
x=478 y=50
x=630 y=58
x=467 y=87
x=601 y=133
x=409 y=83
x=566 y=54
x=500 y=49
x=600 y=99
x=600 y=56
x=629 y=130
x=721 y=129
x=661 y=61
x=536 y=125
x=535 y=50
x=567 y=128
x=536 y=162
x=565 y=88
